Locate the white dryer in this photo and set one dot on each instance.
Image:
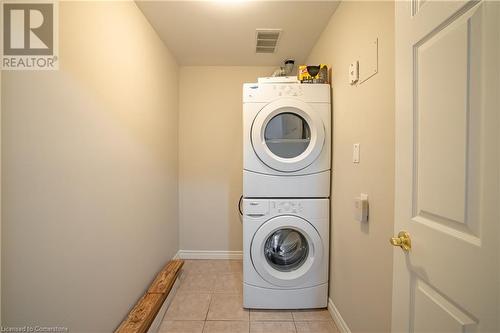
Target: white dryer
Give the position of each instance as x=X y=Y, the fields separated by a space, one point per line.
x=285 y=253
x=287 y=140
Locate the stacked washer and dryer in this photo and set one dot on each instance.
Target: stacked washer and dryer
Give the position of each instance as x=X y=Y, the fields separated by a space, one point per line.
x=286 y=190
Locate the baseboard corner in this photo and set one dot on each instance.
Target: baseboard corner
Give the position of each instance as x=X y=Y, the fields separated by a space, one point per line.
x=337 y=318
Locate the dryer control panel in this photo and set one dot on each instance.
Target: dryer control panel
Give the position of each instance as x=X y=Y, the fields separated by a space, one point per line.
x=264 y=93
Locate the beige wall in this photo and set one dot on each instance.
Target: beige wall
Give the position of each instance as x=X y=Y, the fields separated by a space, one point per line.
x=210 y=155
x=89 y=172
x=361 y=260
x=0 y=196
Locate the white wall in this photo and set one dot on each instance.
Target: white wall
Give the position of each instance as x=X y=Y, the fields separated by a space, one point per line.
x=210 y=155
x=361 y=260
x=89 y=172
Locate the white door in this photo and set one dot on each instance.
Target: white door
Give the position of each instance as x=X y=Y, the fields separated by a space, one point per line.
x=286 y=251
x=288 y=135
x=447 y=167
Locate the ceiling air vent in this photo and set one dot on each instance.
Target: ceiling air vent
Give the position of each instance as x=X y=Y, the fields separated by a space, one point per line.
x=267 y=40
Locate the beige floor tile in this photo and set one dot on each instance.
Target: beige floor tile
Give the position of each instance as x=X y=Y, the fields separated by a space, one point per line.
x=194 y=282
x=197 y=266
x=230 y=283
x=312 y=315
x=188 y=306
x=272 y=326
x=182 y=275
x=236 y=266
x=226 y=327
x=213 y=266
x=169 y=326
x=227 y=307
x=270 y=315
x=212 y=290
x=227 y=266
x=316 y=327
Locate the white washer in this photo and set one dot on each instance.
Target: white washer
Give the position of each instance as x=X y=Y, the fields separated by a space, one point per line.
x=286 y=140
x=285 y=253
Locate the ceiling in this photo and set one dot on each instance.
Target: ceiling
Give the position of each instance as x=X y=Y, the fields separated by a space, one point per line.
x=222 y=33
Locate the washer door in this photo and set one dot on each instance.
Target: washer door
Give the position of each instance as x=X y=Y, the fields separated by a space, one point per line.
x=287 y=135
x=286 y=251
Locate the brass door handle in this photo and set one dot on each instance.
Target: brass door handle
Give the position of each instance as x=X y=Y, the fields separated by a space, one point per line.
x=403 y=241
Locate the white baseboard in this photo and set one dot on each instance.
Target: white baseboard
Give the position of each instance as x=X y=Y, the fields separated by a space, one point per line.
x=176 y=256
x=189 y=254
x=337 y=318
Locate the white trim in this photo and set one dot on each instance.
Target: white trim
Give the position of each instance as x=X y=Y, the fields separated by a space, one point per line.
x=176 y=256
x=155 y=325
x=189 y=254
x=337 y=318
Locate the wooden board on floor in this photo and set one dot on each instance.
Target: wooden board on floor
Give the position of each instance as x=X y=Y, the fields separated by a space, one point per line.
x=166 y=278
x=144 y=312
x=142 y=315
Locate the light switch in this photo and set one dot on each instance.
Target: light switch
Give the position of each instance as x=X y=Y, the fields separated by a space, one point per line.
x=354 y=72
x=355 y=153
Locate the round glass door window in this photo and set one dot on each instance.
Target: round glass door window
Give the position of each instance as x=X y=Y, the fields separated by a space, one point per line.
x=287 y=135
x=286 y=249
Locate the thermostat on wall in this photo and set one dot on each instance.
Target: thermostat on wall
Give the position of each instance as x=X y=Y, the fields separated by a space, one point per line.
x=361 y=208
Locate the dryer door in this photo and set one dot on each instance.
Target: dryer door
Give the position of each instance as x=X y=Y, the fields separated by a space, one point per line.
x=286 y=251
x=287 y=135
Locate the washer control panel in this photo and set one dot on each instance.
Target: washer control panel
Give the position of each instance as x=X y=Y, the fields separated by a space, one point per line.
x=259 y=208
x=263 y=209
x=285 y=206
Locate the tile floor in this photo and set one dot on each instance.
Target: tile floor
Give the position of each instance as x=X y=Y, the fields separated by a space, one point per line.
x=209 y=300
